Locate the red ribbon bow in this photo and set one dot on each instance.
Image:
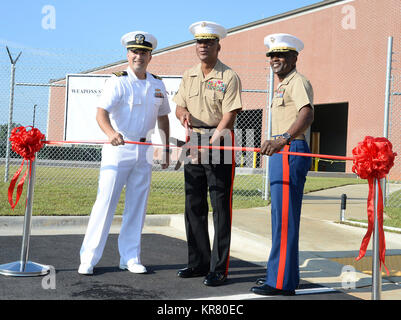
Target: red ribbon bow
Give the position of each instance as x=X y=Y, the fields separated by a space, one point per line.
x=373 y=159
x=26 y=144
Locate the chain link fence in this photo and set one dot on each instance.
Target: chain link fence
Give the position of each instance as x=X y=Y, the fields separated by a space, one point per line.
x=69 y=172
x=393 y=196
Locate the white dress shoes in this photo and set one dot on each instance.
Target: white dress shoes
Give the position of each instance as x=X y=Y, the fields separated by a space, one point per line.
x=85 y=269
x=133 y=267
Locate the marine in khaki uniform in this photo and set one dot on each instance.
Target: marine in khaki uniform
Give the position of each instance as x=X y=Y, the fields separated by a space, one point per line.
x=207 y=101
x=292 y=115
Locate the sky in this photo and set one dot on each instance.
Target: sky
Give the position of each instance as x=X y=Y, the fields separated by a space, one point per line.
x=96 y=25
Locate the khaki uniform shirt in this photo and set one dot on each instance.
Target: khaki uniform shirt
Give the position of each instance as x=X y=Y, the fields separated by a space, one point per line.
x=208 y=98
x=293 y=93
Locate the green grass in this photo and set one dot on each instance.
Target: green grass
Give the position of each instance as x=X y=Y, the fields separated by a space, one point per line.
x=62 y=191
x=321 y=183
x=393 y=210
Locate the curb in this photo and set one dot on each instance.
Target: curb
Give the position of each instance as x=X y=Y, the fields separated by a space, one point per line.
x=72 y=221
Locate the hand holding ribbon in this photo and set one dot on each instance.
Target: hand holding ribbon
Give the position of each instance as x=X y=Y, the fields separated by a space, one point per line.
x=26 y=144
x=373 y=159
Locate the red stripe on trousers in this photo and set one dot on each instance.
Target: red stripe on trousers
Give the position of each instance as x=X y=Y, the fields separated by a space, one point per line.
x=284 y=220
x=231 y=194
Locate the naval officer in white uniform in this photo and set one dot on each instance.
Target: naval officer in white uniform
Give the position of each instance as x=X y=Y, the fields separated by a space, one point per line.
x=132 y=102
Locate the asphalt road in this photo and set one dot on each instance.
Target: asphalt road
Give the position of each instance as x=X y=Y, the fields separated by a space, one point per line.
x=162 y=256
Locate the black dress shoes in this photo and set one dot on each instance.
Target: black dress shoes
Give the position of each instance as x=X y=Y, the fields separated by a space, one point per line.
x=214 y=279
x=191 y=273
x=266 y=290
x=260 y=281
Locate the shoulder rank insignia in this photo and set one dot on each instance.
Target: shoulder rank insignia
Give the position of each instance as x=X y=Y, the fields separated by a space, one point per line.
x=120 y=73
x=156 y=77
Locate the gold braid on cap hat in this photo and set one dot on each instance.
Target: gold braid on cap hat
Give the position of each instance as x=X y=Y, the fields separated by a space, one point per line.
x=282 y=49
x=135 y=46
x=207 y=36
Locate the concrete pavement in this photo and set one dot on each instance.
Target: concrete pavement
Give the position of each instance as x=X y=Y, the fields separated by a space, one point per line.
x=326 y=246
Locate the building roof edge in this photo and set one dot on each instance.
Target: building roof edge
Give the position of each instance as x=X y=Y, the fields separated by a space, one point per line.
x=243 y=27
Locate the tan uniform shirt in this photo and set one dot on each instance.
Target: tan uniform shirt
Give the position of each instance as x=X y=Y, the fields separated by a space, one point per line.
x=293 y=93
x=208 y=98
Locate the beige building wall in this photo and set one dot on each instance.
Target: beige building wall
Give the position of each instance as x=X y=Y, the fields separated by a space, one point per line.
x=344 y=58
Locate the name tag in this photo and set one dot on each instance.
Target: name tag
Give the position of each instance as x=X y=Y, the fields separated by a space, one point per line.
x=216 y=85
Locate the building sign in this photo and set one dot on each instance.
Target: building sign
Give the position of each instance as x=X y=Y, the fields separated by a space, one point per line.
x=83 y=93
x=172 y=84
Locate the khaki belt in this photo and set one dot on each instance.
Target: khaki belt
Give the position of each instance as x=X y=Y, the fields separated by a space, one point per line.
x=203 y=130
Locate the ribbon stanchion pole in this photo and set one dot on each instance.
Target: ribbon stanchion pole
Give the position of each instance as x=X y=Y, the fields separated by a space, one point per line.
x=373 y=159
x=23 y=267
x=268 y=132
x=376 y=270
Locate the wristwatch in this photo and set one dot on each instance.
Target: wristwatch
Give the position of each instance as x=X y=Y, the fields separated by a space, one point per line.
x=287 y=137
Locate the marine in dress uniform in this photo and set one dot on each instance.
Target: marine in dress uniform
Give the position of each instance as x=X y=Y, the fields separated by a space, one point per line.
x=208 y=100
x=132 y=102
x=292 y=115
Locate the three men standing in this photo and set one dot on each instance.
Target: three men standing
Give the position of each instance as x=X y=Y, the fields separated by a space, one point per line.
x=208 y=100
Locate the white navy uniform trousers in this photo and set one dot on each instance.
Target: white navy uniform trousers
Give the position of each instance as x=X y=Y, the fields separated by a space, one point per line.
x=133 y=106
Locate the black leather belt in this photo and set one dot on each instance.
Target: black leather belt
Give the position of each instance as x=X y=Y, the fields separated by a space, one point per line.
x=204 y=127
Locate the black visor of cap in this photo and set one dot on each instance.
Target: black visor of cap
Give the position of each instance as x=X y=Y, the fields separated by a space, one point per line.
x=268 y=54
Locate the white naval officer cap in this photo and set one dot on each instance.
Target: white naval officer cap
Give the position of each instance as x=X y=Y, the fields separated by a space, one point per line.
x=139 y=40
x=283 y=42
x=207 y=30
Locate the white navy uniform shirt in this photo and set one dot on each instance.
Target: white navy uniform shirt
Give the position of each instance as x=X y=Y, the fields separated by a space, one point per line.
x=134 y=104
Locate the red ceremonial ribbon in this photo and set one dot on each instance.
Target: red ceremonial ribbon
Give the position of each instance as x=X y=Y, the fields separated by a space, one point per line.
x=26 y=144
x=248 y=149
x=373 y=159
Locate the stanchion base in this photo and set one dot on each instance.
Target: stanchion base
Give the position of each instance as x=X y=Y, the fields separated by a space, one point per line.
x=18 y=269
